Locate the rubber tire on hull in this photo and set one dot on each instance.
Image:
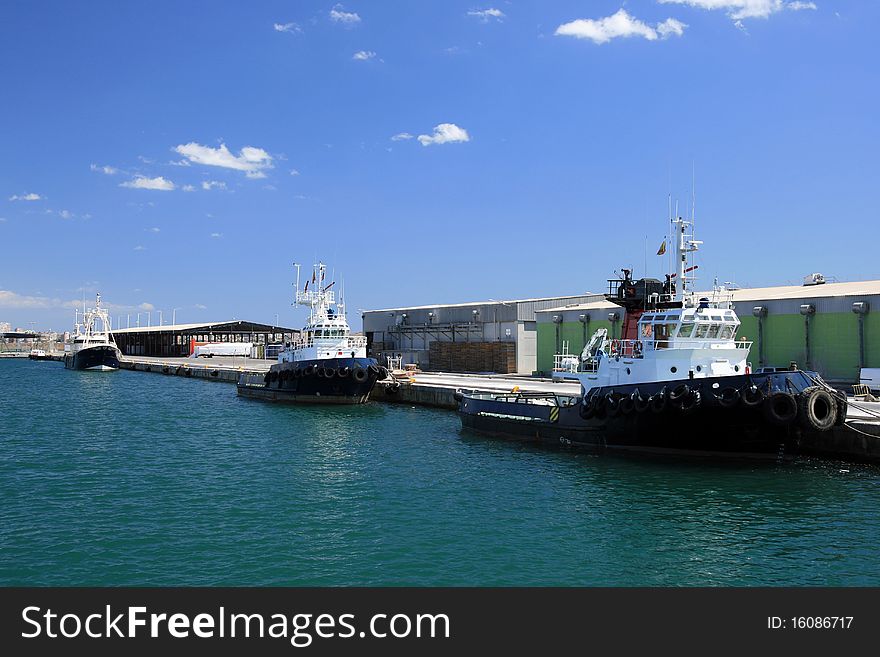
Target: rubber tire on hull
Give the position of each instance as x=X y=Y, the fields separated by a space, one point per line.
x=360 y=374
x=780 y=408
x=728 y=398
x=691 y=402
x=817 y=409
x=612 y=405
x=752 y=396
x=679 y=392
x=841 y=410
x=589 y=407
x=640 y=404
x=658 y=402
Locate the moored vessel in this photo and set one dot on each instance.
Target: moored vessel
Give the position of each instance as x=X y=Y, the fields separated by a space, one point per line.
x=676 y=381
x=39 y=354
x=92 y=346
x=326 y=363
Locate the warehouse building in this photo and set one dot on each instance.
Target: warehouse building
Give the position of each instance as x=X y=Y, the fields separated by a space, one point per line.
x=488 y=336
x=176 y=340
x=833 y=328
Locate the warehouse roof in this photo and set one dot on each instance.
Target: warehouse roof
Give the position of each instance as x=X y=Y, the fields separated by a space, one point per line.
x=232 y=326
x=853 y=289
x=490 y=302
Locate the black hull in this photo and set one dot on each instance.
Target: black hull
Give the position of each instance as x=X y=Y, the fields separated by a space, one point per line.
x=710 y=429
x=93 y=358
x=327 y=381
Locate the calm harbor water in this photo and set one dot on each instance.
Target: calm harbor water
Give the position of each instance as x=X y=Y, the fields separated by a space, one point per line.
x=126 y=478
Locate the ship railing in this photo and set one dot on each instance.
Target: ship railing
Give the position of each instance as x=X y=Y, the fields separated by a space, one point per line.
x=637 y=348
x=565 y=362
x=350 y=343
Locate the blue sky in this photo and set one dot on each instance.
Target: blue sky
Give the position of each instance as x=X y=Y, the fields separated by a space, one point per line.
x=544 y=140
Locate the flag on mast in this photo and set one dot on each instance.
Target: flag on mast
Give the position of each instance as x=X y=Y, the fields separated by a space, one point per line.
x=662 y=248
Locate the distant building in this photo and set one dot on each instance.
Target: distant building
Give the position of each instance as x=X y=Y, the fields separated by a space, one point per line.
x=485 y=336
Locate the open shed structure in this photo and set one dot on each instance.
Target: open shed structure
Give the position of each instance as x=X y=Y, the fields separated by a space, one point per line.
x=176 y=340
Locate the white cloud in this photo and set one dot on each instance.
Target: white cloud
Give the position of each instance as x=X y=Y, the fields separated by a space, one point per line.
x=140 y=248
x=26 y=197
x=250 y=159
x=740 y=9
x=401 y=136
x=188 y=188
x=154 y=230
x=670 y=27
x=66 y=214
x=294 y=172
x=110 y=171
x=142 y=182
x=363 y=55
x=179 y=163
x=201 y=307
x=2 y=220
x=10 y=299
x=485 y=14
x=146 y=306
x=445 y=133
x=291 y=28
x=216 y=235
x=208 y=185
x=339 y=15
x=797 y=5
x=620 y=24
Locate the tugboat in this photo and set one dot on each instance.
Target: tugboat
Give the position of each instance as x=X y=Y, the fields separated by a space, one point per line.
x=39 y=354
x=92 y=346
x=677 y=381
x=326 y=364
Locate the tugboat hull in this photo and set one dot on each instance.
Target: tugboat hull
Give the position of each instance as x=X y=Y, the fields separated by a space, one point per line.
x=325 y=381
x=99 y=358
x=718 y=423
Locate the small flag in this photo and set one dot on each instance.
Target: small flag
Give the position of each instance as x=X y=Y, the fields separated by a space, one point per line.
x=313 y=276
x=307 y=286
x=662 y=248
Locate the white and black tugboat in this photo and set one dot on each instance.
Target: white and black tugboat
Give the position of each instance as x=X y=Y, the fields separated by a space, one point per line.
x=326 y=364
x=92 y=346
x=677 y=381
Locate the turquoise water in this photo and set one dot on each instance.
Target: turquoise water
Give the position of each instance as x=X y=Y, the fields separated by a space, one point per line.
x=128 y=478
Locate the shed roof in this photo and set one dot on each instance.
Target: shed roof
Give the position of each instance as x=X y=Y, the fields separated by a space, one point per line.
x=230 y=326
x=490 y=302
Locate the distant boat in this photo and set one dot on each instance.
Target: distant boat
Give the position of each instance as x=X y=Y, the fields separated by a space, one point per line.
x=92 y=346
x=39 y=354
x=326 y=364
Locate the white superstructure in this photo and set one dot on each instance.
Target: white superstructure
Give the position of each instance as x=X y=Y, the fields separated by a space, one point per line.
x=327 y=333
x=678 y=336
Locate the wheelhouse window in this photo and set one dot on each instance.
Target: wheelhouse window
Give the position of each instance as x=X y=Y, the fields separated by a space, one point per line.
x=647 y=330
x=728 y=331
x=686 y=330
x=702 y=330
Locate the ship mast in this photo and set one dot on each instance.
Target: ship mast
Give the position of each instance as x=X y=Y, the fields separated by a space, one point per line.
x=319 y=298
x=684 y=244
